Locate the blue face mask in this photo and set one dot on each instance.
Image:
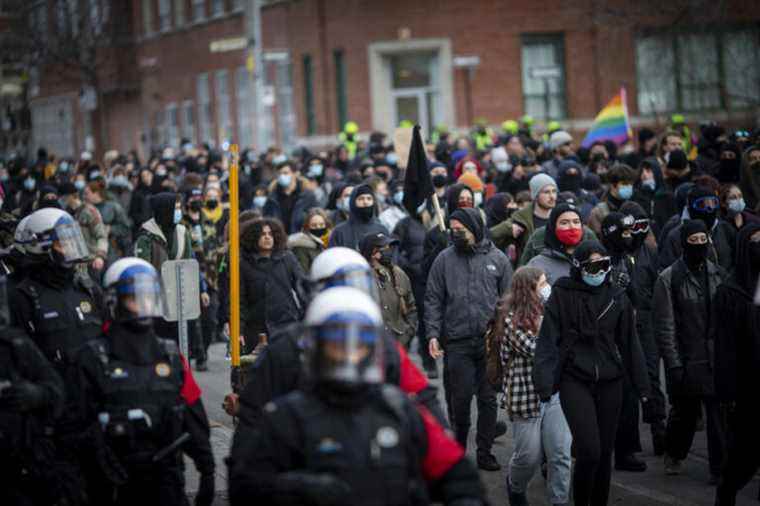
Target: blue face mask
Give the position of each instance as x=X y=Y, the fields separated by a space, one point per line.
x=736 y=205
x=625 y=191
x=391 y=158
x=649 y=183
x=284 y=180
x=316 y=170
x=398 y=197
x=79 y=184
x=63 y=167
x=177 y=216
x=344 y=204
x=594 y=279
x=503 y=167
x=259 y=201
x=247 y=170
x=30 y=183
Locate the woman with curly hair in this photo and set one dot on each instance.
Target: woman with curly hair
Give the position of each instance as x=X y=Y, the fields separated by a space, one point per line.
x=269 y=281
x=540 y=429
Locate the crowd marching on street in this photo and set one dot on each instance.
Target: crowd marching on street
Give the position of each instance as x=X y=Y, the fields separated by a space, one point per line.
x=551 y=279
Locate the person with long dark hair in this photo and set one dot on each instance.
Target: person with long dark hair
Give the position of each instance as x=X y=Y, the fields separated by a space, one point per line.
x=586 y=344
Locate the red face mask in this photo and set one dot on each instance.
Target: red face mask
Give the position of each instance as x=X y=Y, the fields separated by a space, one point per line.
x=463 y=205
x=570 y=236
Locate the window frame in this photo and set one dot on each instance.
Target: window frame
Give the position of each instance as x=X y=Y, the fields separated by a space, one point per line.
x=557 y=40
x=341 y=88
x=308 y=94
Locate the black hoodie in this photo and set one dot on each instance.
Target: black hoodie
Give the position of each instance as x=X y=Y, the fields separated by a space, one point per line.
x=349 y=233
x=162 y=205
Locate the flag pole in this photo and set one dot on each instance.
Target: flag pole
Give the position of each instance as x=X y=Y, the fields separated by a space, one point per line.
x=234 y=260
x=438 y=212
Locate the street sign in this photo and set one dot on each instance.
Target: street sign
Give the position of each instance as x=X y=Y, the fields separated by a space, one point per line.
x=466 y=61
x=231 y=44
x=545 y=72
x=181 y=279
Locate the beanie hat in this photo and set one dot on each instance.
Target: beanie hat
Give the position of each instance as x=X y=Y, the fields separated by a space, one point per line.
x=559 y=138
x=471 y=220
x=677 y=160
x=538 y=182
x=472 y=181
x=691 y=227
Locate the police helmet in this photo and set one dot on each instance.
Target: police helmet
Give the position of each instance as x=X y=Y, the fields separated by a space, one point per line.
x=55 y=233
x=133 y=291
x=342 y=267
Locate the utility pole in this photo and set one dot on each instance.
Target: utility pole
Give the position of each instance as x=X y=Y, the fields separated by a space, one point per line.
x=255 y=66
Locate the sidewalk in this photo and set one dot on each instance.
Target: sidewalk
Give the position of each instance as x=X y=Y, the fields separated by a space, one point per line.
x=221 y=440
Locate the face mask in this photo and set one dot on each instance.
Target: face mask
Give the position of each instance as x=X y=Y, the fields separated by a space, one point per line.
x=503 y=167
x=649 y=183
x=398 y=197
x=120 y=181
x=625 y=191
x=279 y=159
x=478 y=199
x=316 y=170
x=736 y=206
x=439 y=180
x=695 y=254
x=594 y=279
x=79 y=184
x=284 y=180
x=459 y=238
x=94 y=174
x=161 y=172
x=259 y=201
x=63 y=167
x=570 y=236
x=212 y=203
x=29 y=184
x=195 y=205
x=318 y=232
x=545 y=292
x=365 y=213
x=344 y=204
x=386 y=258
x=247 y=170
x=391 y=158
x=177 y=216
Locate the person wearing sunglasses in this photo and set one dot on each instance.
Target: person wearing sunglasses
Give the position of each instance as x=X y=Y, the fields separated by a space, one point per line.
x=682 y=319
x=703 y=205
x=586 y=345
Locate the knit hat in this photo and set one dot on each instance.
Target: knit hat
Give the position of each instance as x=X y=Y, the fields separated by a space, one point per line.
x=471 y=181
x=471 y=220
x=538 y=183
x=559 y=138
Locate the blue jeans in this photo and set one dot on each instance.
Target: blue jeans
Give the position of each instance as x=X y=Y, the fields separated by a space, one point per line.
x=533 y=437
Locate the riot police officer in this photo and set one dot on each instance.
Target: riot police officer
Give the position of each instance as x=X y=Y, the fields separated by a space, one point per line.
x=348 y=438
x=31 y=395
x=140 y=391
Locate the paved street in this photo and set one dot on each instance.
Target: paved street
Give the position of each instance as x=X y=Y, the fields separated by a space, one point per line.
x=645 y=489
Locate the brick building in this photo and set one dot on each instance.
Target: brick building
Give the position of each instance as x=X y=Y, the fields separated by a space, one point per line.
x=430 y=61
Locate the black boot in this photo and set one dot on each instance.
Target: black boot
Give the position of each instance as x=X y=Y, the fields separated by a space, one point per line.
x=630 y=463
x=488 y=462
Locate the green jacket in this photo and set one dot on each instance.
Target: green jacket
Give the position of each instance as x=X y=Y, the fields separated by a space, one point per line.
x=151 y=245
x=501 y=234
x=305 y=247
x=536 y=243
x=397 y=304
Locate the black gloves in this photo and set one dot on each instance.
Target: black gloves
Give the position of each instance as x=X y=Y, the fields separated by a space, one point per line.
x=205 y=495
x=316 y=489
x=24 y=396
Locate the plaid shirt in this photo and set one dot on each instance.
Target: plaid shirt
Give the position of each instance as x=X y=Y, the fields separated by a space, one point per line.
x=517 y=349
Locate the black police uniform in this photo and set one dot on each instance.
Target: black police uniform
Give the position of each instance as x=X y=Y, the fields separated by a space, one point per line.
x=26 y=451
x=136 y=401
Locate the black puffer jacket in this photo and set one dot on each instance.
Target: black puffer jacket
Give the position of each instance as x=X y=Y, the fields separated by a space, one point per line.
x=588 y=333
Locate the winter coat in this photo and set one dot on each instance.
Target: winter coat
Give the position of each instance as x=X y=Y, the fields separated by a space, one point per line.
x=305 y=247
x=304 y=200
x=554 y=264
x=721 y=250
x=600 y=211
x=681 y=326
x=397 y=304
x=411 y=252
x=349 y=233
x=589 y=334
x=502 y=233
x=462 y=291
x=93 y=229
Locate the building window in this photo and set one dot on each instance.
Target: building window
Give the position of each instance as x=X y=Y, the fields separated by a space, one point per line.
x=199 y=10
x=179 y=13
x=188 y=121
x=242 y=94
x=698 y=71
x=415 y=88
x=217 y=7
x=308 y=96
x=224 y=123
x=67 y=17
x=204 y=110
x=543 y=77
x=172 y=125
x=38 y=20
x=147 y=16
x=341 y=98
x=164 y=15
x=237 y=5
x=159 y=137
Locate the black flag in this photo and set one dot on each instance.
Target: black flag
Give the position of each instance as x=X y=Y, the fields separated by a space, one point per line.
x=417 y=183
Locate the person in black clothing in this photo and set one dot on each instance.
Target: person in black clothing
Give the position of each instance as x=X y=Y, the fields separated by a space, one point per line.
x=288 y=199
x=140 y=209
x=647 y=148
x=644 y=277
x=682 y=311
x=361 y=222
x=586 y=345
x=652 y=195
x=737 y=362
x=457 y=196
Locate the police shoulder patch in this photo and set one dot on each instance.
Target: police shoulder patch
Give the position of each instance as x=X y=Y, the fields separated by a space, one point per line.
x=387 y=437
x=163 y=369
x=85 y=306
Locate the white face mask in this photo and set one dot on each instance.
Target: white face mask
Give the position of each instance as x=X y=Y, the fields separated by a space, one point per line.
x=478 y=199
x=545 y=292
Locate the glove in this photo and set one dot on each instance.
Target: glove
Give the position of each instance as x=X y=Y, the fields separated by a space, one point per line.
x=205 y=495
x=24 y=396
x=317 y=489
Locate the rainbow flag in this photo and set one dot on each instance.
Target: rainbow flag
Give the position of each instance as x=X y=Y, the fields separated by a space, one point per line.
x=611 y=123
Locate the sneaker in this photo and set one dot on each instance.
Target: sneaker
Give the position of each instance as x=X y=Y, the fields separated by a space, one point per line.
x=487 y=462
x=499 y=429
x=631 y=464
x=672 y=466
x=516 y=499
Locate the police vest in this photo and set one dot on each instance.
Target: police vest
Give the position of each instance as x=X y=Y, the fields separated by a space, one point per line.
x=139 y=407
x=372 y=449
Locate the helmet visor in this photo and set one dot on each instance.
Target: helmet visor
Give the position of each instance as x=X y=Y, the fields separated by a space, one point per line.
x=69 y=242
x=140 y=296
x=359 y=277
x=346 y=352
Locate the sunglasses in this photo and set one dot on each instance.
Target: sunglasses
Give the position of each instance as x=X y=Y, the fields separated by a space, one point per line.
x=707 y=204
x=640 y=226
x=594 y=267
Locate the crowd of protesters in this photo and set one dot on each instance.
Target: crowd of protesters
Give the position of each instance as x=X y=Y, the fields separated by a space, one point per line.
x=592 y=267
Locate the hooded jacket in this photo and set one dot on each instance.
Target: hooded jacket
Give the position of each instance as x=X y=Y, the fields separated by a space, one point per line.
x=437 y=240
x=305 y=247
x=737 y=338
x=750 y=180
x=159 y=239
x=588 y=333
x=463 y=288
x=303 y=200
x=349 y=233
x=502 y=232
x=659 y=203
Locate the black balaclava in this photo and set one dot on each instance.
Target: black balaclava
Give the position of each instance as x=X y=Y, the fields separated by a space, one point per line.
x=363 y=214
x=163 y=205
x=612 y=235
x=496 y=209
x=634 y=209
x=747 y=259
x=569 y=182
x=694 y=255
x=471 y=219
x=709 y=217
x=729 y=170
